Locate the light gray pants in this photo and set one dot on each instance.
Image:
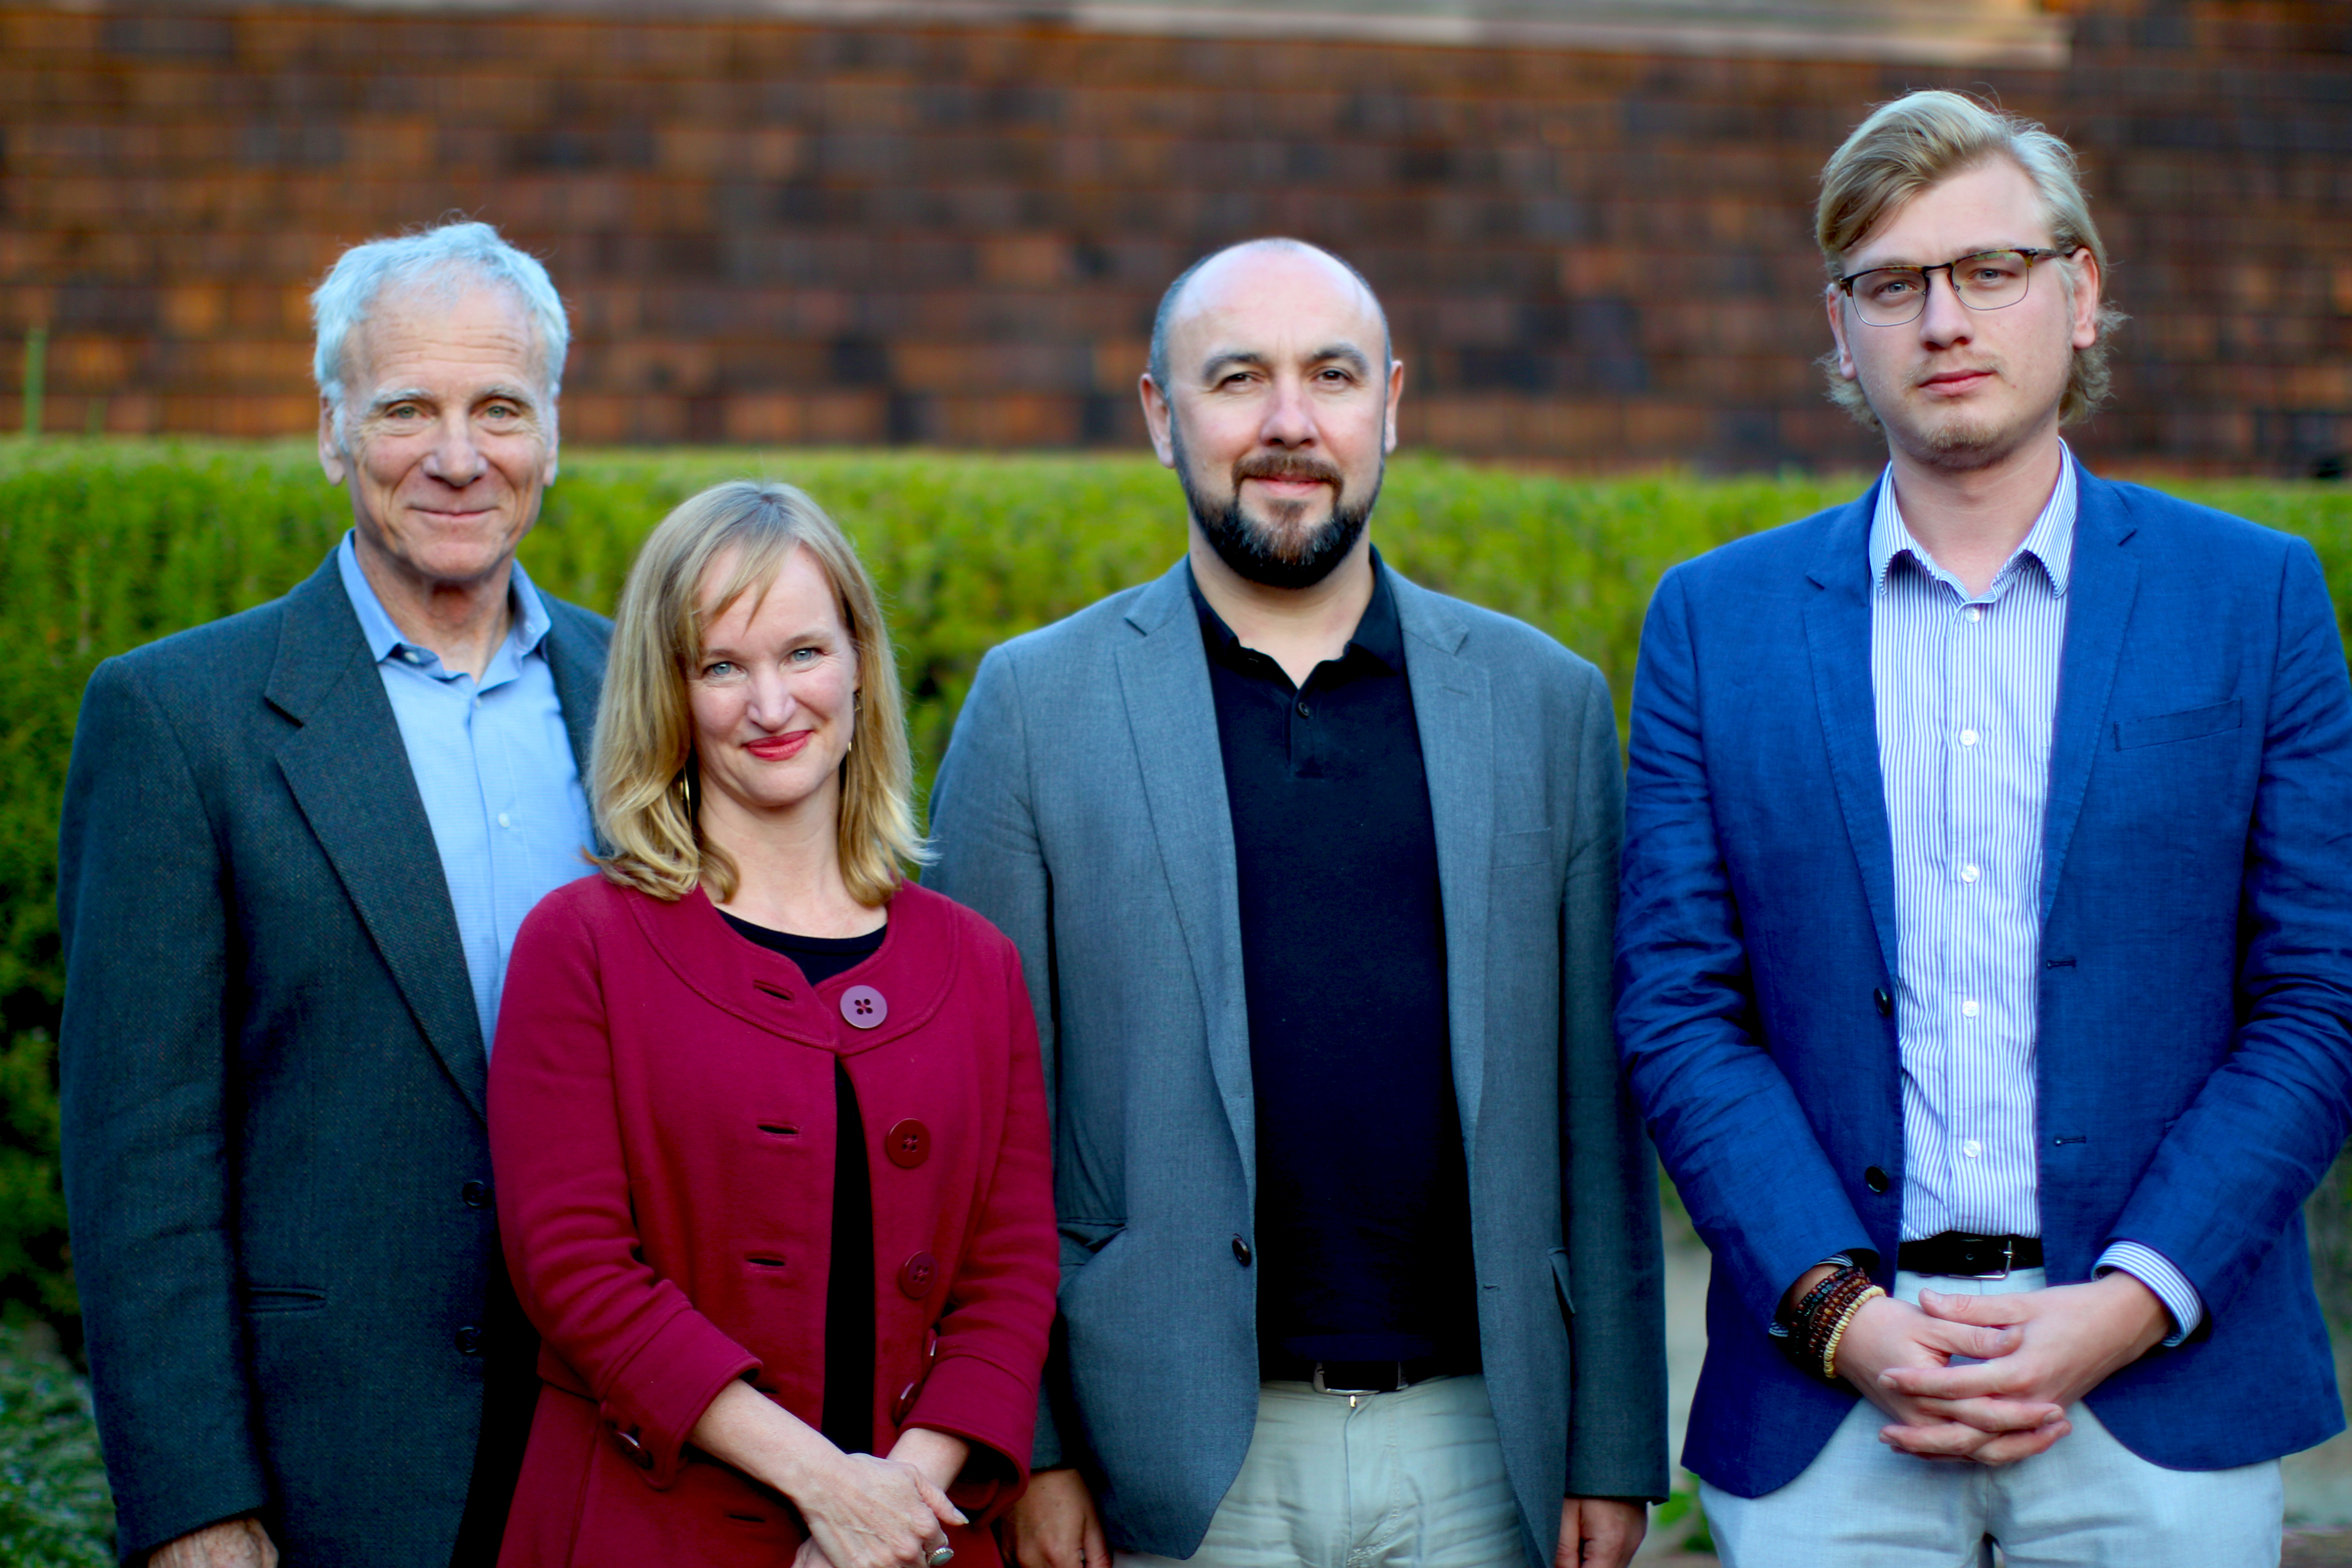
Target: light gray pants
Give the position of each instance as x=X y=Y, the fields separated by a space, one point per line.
x=2086 y=1502
x=1408 y=1479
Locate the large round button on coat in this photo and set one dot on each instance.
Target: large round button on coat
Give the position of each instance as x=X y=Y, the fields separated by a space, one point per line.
x=909 y=1144
x=469 y=1341
x=1875 y=1180
x=864 y=1007
x=915 y=1275
x=1241 y=1252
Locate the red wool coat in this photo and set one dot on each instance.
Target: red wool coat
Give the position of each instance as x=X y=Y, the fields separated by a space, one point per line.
x=662 y=1130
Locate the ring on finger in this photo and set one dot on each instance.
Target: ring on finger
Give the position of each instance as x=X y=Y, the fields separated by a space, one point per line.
x=940 y=1557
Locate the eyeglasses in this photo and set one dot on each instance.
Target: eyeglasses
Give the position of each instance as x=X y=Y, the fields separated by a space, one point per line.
x=1895 y=296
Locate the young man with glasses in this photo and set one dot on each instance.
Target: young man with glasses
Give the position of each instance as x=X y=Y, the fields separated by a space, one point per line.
x=1985 y=945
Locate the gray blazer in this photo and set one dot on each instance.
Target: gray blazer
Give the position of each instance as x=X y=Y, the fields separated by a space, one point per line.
x=1082 y=807
x=276 y=1162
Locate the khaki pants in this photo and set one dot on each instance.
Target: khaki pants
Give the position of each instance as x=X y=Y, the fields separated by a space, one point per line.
x=1408 y=1479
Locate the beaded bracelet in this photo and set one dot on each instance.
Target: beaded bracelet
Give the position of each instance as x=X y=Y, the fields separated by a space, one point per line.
x=1812 y=1328
x=1830 y=1315
x=1829 y=1354
x=1818 y=1294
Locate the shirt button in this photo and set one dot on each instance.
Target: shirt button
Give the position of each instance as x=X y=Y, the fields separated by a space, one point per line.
x=1304 y=710
x=1975 y=614
x=1971 y=1148
x=1969 y=873
x=1968 y=737
x=1969 y=1008
x=502 y=820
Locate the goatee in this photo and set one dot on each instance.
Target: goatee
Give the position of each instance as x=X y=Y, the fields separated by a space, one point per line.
x=1285 y=554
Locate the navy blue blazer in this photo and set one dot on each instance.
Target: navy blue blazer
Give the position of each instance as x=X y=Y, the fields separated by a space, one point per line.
x=2194 y=1063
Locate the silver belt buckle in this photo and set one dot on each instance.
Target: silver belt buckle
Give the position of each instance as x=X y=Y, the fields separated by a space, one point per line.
x=1354 y=1394
x=2007 y=1259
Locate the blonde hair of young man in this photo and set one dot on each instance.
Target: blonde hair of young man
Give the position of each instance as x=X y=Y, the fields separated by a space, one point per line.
x=1922 y=140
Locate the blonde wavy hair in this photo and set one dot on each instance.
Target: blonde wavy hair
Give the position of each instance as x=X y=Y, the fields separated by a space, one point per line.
x=645 y=789
x=1923 y=139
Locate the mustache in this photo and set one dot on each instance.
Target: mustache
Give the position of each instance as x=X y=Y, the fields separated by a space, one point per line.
x=1286 y=466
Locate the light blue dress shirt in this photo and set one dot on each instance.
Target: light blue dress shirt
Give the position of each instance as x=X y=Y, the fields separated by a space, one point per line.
x=493 y=764
x=1966 y=689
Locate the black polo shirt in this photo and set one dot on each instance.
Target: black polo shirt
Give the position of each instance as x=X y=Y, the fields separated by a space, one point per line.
x=1363 y=1202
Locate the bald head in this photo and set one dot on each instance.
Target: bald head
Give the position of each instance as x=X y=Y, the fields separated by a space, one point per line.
x=1236 y=268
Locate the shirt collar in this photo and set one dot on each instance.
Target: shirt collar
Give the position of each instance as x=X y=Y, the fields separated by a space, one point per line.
x=383 y=638
x=2050 y=542
x=1378 y=635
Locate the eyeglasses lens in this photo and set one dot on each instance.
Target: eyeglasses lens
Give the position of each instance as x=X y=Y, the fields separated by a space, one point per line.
x=1893 y=296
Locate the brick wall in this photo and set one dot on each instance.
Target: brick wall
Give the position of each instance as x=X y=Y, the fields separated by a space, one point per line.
x=782 y=232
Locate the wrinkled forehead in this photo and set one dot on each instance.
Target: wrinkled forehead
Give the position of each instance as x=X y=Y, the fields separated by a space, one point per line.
x=1267 y=300
x=459 y=317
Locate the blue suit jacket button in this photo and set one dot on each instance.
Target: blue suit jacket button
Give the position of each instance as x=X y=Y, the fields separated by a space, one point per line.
x=1876 y=1180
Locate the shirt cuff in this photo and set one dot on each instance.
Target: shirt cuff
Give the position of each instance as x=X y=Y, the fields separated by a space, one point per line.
x=2148 y=1267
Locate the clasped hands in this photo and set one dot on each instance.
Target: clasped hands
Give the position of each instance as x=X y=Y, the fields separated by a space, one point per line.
x=2024 y=1358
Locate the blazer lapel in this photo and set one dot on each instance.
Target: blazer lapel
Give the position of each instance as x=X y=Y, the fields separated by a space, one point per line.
x=2099 y=592
x=1837 y=639
x=1172 y=717
x=349 y=775
x=578 y=665
x=1453 y=705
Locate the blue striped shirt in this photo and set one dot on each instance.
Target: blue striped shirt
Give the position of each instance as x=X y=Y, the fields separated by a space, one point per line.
x=1966 y=689
x=493 y=763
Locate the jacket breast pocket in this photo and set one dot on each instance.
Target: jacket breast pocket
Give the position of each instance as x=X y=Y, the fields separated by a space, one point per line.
x=263 y=1300
x=2188 y=724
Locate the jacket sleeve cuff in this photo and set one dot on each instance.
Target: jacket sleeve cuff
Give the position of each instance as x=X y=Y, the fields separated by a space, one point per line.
x=2171 y=1287
x=653 y=1402
x=981 y=1402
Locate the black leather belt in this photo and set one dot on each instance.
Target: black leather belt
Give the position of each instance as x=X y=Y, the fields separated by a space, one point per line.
x=1956 y=1252
x=1360 y=1376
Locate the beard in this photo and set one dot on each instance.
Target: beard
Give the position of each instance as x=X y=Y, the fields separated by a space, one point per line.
x=1289 y=551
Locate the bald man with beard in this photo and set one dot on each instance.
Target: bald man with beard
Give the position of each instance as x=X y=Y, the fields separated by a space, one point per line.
x=1313 y=875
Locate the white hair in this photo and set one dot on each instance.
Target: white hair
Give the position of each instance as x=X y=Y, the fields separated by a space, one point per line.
x=445 y=259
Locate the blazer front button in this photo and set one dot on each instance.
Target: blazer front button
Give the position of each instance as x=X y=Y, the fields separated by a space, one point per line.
x=1875 y=1180
x=1241 y=1252
x=864 y=1007
x=475 y=1195
x=469 y=1341
x=631 y=1445
x=916 y=1274
x=1882 y=1002
x=909 y=1144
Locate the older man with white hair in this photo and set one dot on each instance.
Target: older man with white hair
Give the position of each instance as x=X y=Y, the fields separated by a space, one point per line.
x=297 y=844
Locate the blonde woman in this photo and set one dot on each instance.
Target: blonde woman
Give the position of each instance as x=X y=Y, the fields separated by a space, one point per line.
x=771 y=1157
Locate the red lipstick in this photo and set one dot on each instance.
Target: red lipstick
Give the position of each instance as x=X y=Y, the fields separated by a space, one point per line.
x=776 y=748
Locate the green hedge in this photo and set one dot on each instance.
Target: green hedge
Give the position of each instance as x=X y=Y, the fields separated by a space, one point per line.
x=105 y=545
